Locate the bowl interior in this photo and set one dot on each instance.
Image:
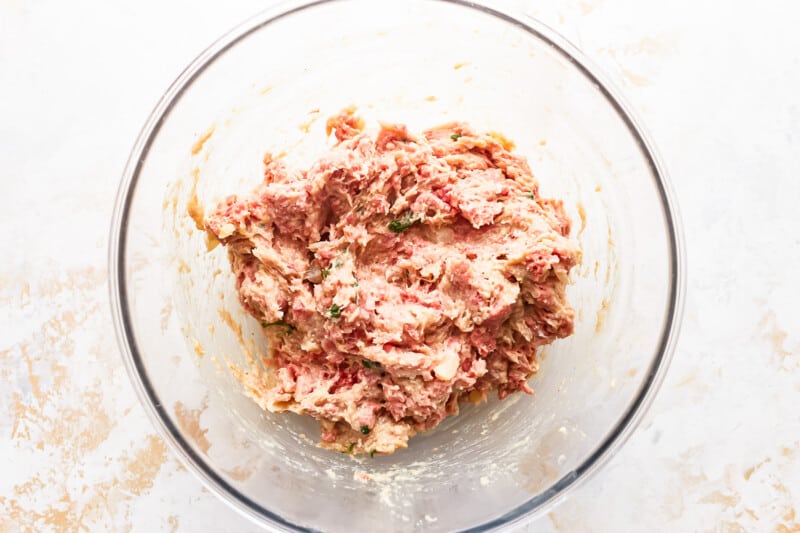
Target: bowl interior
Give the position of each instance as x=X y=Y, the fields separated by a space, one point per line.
x=422 y=63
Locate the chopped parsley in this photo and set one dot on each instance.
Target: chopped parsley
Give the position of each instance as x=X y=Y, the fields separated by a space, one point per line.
x=277 y=323
x=355 y=283
x=401 y=224
x=335 y=311
x=365 y=430
x=456 y=136
x=289 y=328
x=530 y=196
x=398 y=226
x=372 y=453
x=370 y=364
x=327 y=271
x=350 y=448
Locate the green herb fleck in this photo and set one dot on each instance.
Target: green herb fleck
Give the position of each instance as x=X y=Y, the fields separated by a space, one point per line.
x=456 y=136
x=370 y=364
x=530 y=196
x=397 y=226
x=372 y=453
x=355 y=283
x=402 y=224
x=350 y=448
x=289 y=328
x=365 y=430
x=327 y=271
x=335 y=311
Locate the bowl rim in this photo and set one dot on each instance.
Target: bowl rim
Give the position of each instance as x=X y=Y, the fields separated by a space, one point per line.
x=537 y=505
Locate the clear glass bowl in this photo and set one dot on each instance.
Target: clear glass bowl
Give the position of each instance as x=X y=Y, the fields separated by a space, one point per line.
x=268 y=86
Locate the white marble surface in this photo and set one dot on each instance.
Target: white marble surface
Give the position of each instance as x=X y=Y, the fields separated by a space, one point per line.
x=717 y=84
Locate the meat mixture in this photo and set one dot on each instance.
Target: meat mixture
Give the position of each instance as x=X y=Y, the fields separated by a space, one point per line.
x=397 y=277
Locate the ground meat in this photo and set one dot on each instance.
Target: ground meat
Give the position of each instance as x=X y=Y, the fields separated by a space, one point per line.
x=396 y=277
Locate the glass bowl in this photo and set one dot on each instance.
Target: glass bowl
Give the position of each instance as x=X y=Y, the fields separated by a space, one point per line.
x=268 y=86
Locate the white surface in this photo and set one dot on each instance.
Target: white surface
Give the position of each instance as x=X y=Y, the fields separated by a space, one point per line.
x=718 y=90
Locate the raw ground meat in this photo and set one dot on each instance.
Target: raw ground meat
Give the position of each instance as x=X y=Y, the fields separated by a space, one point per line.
x=396 y=277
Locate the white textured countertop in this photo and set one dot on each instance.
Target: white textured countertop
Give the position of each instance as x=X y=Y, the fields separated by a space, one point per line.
x=717 y=85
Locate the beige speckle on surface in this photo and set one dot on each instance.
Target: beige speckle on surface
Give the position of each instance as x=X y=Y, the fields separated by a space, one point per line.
x=189 y=422
x=774 y=334
x=173 y=522
x=749 y=472
x=727 y=501
x=601 y=315
x=635 y=79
